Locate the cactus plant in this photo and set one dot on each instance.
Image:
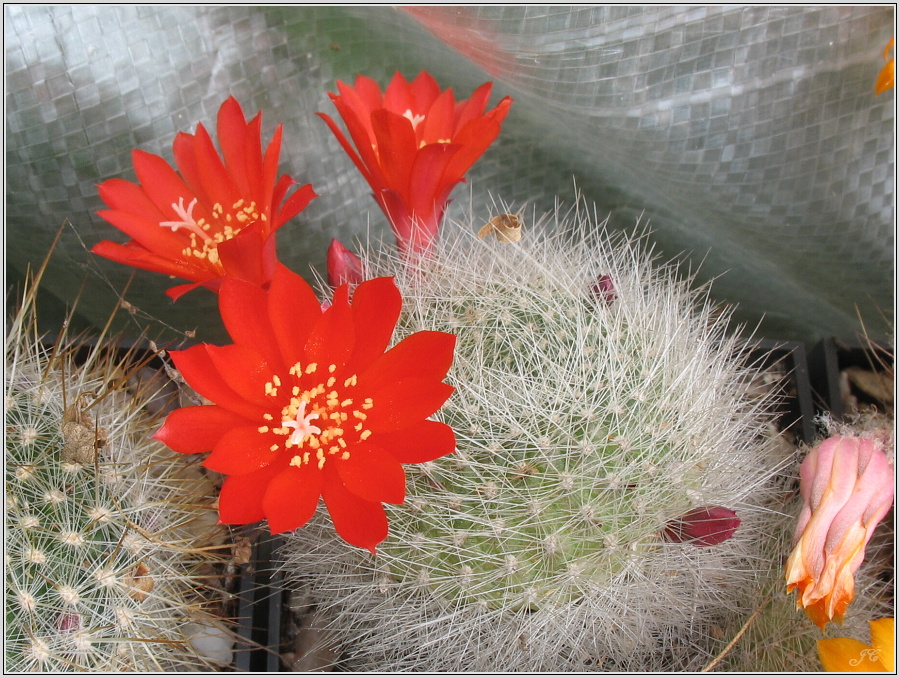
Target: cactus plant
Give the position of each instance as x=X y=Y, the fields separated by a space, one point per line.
x=598 y=400
x=111 y=541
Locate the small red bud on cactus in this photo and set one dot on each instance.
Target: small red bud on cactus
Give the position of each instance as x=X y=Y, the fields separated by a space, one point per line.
x=603 y=290
x=68 y=622
x=704 y=526
x=343 y=265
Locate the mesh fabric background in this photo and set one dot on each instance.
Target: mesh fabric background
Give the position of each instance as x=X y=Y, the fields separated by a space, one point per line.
x=749 y=139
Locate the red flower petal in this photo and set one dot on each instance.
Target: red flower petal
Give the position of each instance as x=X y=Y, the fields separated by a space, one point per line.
x=293 y=311
x=241 y=497
x=474 y=137
x=244 y=256
x=195 y=429
x=398 y=96
x=244 y=370
x=138 y=256
x=421 y=442
x=243 y=307
x=236 y=139
x=242 y=450
x=291 y=498
x=295 y=204
x=198 y=370
x=161 y=183
x=406 y=402
x=474 y=106
x=424 y=354
x=331 y=340
x=125 y=196
x=397 y=148
x=373 y=475
x=214 y=178
x=359 y=522
x=150 y=235
x=438 y=123
x=368 y=91
x=427 y=179
x=376 y=308
x=425 y=91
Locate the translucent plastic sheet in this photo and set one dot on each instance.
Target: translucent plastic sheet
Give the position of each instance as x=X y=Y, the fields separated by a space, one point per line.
x=748 y=138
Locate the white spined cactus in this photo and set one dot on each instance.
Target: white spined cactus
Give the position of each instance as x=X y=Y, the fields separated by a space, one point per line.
x=598 y=399
x=111 y=539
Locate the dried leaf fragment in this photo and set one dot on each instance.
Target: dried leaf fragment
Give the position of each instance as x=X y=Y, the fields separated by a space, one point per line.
x=140 y=582
x=507 y=228
x=81 y=441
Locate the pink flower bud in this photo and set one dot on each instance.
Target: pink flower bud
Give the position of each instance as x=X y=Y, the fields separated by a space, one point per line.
x=847 y=487
x=343 y=265
x=704 y=526
x=603 y=290
x=68 y=622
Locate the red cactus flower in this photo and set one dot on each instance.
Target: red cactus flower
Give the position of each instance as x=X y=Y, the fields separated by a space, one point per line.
x=413 y=144
x=343 y=266
x=704 y=526
x=211 y=218
x=307 y=404
x=847 y=487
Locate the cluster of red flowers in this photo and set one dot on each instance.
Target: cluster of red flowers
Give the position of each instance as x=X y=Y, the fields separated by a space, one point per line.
x=306 y=403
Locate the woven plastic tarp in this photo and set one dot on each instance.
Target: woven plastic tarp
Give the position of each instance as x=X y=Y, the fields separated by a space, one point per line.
x=748 y=138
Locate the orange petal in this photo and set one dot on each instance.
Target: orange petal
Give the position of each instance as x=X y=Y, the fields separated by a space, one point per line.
x=883 y=640
x=847 y=655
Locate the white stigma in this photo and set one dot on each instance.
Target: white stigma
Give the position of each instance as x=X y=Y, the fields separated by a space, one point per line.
x=301 y=425
x=187 y=219
x=414 y=119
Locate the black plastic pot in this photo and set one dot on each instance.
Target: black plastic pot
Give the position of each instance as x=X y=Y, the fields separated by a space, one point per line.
x=259 y=609
x=797 y=409
x=829 y=358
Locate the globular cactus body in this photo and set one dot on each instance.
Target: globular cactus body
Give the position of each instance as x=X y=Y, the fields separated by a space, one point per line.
x=598 y=399
x=108 y=554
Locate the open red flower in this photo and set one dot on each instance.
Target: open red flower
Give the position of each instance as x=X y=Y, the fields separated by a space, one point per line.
x=413 y=144
x=212 y=218
x=307 y=404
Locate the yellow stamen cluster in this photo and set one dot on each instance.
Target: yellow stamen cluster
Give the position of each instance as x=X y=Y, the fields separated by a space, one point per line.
x=205 y=237
x=322 y=404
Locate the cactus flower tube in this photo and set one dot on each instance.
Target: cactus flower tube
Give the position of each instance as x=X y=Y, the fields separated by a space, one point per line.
x=215 y=217
x=847 y=486
x=308 y=404
x=413 y=144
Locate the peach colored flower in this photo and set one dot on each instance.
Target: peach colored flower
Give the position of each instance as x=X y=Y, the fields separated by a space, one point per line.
x=847 y=486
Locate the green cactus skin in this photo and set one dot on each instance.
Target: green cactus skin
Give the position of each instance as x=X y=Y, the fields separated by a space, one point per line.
x=108 y=561
x=582 y=426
